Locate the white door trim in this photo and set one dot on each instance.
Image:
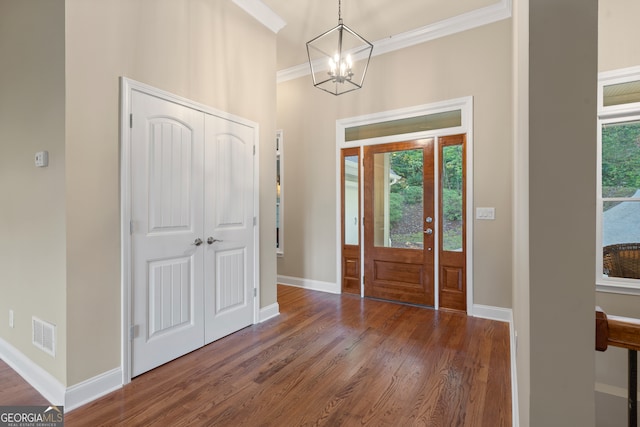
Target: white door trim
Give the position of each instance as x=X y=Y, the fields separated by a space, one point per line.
x=126 y=88
x=465 y=105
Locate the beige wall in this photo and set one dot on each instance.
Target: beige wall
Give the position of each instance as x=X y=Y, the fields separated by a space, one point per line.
x=60 y=226
x=617 y=48
x=562 y=155
x=205 y=50
x=32 y=210
x=618 y=35
x=474 y=63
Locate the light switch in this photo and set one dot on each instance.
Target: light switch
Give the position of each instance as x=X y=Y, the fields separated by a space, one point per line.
x=42 y=159
x=485 y=213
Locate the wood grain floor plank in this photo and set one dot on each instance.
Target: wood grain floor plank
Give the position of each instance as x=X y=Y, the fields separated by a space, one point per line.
x=334 y=360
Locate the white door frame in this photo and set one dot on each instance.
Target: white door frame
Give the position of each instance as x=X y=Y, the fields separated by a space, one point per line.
x=126 y=88
x=465 y=105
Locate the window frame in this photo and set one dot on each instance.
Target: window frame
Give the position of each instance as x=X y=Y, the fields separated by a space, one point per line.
x=608 y=115
x=280 y=193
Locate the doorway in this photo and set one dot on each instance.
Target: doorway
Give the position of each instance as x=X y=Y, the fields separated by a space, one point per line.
x=398 y=227
x=414 y=222
x=189 y=252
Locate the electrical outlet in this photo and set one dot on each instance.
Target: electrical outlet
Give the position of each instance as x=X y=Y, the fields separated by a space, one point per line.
x=11 y=318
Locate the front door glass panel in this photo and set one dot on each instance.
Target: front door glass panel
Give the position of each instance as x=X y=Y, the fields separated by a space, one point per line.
x=398 y=199
x=452 y=213
x=351 y=200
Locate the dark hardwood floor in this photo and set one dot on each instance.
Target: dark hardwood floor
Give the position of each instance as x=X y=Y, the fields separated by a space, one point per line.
x=326 y=360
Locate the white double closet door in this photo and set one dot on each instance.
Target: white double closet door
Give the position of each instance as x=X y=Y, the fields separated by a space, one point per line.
x=192 y=229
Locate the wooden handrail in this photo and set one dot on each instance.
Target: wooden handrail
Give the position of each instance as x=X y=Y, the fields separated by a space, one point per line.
x=616 y=331
x=622 y=332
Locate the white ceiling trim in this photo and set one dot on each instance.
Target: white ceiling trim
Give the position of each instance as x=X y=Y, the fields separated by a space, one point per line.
x=262 y=13
x=467 y=21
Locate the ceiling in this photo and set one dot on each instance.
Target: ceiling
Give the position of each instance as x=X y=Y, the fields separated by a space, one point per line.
x=375 y=20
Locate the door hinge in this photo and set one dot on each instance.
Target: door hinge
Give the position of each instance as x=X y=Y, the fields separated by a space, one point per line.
x=255 y=221
x=363 y=278
x=130 y=121
x=363 y=221
x=254 y=150
x=130 y=227
x=255 y=292
x=132 y=332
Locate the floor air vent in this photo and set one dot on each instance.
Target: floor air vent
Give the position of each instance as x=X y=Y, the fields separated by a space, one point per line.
x=44 y=336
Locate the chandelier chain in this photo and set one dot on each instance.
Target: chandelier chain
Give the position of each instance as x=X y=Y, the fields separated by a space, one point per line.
x=339 y=10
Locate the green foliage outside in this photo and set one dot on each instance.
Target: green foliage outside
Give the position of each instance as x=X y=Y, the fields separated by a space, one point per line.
x=396 y=204
x=452 y=204
x=620 y=160
x=452 y=239
x=408 y=165
x=452 y=171
x=413 y=194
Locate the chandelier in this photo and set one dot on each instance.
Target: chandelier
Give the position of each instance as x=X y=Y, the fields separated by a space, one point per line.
x=339 y=58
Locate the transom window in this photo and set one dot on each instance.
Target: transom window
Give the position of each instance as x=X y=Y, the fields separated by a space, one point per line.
x=618 y=234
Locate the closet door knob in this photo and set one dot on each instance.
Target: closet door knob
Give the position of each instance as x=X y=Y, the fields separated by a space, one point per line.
x=197 y=242
x=211 y=240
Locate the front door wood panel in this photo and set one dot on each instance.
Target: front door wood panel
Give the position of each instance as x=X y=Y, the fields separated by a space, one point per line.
x=452 y=286
x=397 y=271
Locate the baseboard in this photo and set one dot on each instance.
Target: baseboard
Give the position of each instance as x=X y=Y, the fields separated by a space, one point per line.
x=492 y=313
x=314 y=285
x=52 y=389
x=513 y=347
x=93 y=388
x=269 y=312
x=613 y=390
x=504 y=315
x=611 y=405
x=45 y=383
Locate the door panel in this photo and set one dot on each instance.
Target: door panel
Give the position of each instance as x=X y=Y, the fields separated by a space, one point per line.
x=166 y=214
x=229 y=214
x=192 y=229
x=351 y=275
x=399 y=180
x=452 y=251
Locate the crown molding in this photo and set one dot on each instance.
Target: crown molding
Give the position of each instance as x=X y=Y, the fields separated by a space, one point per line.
x=467 y=21
x=262 y=13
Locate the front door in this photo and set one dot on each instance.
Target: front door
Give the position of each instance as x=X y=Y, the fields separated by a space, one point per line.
x=399 y=217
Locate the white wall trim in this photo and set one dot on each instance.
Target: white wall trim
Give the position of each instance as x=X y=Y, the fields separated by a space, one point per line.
x=45 y=383
x=262 y=13
x=314 y=285
x=492 y=313
x=466 y=21
x=52 y=389
x=513 y=347
x=465 y=105
x=269 y=312
x=93 y=388
x=505 y=315
x=613 y=390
